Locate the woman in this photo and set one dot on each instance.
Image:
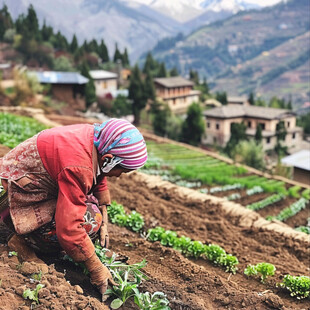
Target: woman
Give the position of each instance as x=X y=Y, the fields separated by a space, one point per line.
x=57 y=190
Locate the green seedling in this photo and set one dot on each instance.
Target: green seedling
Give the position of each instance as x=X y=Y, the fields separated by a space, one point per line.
x=264 y=269
x=182 y=244
x=13 y=253
x=154 y=234
x=156 y=301
x=33 y=294
x=299 y=286
x=168 y=238
x=135 y=221
x=196 y=249
x=37 y=276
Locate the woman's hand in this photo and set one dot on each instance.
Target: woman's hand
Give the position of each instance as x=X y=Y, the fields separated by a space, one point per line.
x=100 y=275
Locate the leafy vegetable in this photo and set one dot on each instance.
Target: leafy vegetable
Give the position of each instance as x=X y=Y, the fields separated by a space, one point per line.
x=33 y=294
x=156 y=301
x=265 y=269
x=299 y=286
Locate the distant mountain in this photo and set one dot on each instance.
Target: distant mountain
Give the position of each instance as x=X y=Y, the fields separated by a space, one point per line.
x=135 y=24
x=226 y=51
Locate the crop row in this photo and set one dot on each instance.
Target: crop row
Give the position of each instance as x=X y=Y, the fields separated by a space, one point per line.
x=16 y=129
x=299 y=286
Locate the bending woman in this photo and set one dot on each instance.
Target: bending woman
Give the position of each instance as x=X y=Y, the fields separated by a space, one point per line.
x=56 y=188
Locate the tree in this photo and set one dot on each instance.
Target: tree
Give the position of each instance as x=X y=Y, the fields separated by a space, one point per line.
x=32 y=23
x=194 y=76
x=251 y=99
x=121 y=106
x=103 y=52
x=237 y=134
x=160 y=120
x=117 y=55
x=221 y=97
x=193 y=126
x=162 y=70
x=149 y=64
x=136 y=94
x=281 y=133
x=258 y=134
x=90 y=90
x=62 y=63
x=5 y=21
x=304 y=122
x=149 y=88
x=74 y=44
x=249 y=153
x=125 y=58
x=46 y=32
x=174 y=72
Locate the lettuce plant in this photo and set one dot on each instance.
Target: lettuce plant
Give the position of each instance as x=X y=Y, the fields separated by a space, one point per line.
x=156 y=301
x=299 y=286
x=265 y=269
x=33 y=294
x=195 y=249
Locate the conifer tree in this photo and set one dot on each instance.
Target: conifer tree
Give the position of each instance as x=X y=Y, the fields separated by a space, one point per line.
x=90 y=90
x=46 y=32
x=103 y=52
x=149 y=88
x=74 y=44
x=125 y=58
x=117 y=54
x=149 y=64
x=162 y=70
x=194 y=77
x=136 y=94
x=32 y=23
x=251 y=99
x=221 y=97
x=5 y=21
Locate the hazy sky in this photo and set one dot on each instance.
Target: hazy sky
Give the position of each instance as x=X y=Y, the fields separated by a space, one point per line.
x=264 y=2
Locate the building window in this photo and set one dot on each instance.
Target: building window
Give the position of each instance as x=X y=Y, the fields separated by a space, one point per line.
x=208 y=124
x=288 y=124
x=249 y=124
x=268 y=140
x=294 y=135
x=217 y=126
x=262 y=125
x=214 y=140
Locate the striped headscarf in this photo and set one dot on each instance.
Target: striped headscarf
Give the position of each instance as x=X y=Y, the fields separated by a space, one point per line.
x=123 y=140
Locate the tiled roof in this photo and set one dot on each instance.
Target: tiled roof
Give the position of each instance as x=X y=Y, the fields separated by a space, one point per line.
x=58 y=77
x=102 y=75
x=176 y=81
x=233 y=111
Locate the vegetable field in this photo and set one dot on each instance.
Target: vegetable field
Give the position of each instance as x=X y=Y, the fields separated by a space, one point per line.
x=198 y=233
x=272 y=199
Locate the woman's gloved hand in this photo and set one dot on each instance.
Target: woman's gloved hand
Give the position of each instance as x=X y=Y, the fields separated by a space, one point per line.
x=104 y=235
x=100 y=275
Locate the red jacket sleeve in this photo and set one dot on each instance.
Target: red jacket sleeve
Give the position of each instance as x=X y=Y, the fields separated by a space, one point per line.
x=74 y=183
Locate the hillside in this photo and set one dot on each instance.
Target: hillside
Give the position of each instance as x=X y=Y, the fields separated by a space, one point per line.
x=227 y=48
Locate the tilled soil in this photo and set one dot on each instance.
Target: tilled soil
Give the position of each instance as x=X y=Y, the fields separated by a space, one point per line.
x=189 y=283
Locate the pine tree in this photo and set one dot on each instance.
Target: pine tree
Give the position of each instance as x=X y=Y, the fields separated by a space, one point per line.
x=90 y=90
x=136 y=94
x=251 y=99
x=125 y=58
x=103 y=52
x=194 y=77
x=32 y=23
x=74 y=44
x=149 y=88
x=221 y=97
x=46 y=32
x=5 y=21
x=117 y=54
x=150 y=64
x=162 y=70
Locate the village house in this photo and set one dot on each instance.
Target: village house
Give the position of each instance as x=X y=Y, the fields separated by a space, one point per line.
x=176 y=92
x=219 y=120
x=105 y=81
x=300 y=161
x=65 y=86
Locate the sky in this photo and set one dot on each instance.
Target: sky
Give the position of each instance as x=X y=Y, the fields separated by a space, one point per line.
x=264 y=2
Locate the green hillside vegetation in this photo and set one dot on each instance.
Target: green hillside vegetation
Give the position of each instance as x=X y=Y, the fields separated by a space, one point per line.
x=219 y=49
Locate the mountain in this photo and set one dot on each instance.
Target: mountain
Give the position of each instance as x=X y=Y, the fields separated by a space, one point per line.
x=137 y=29
x=135 y=24
x=230 y=53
